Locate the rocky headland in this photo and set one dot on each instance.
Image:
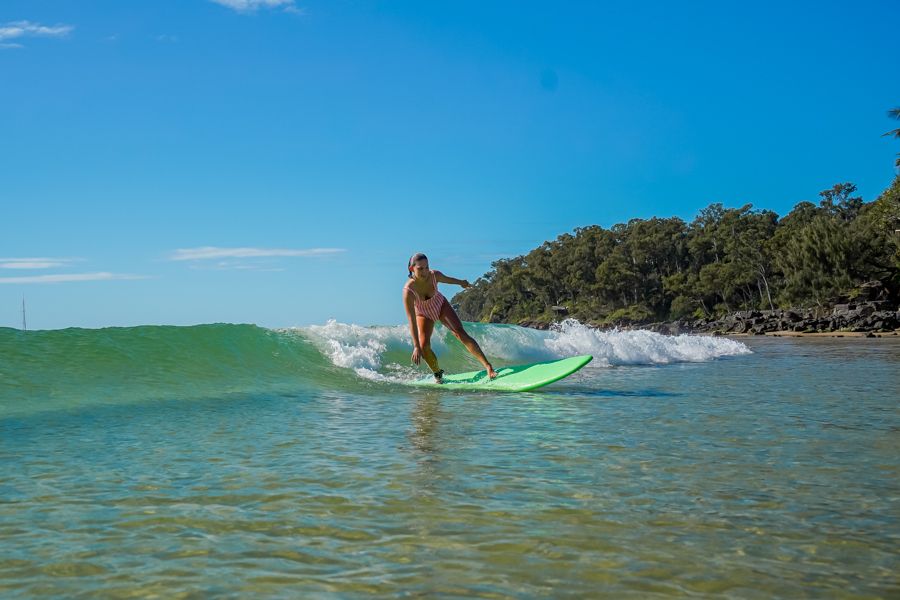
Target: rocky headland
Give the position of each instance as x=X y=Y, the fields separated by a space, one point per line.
x=872 y=318
x=868 y=315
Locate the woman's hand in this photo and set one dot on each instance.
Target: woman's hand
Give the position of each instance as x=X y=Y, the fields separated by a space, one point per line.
x=465 y=283
x=417 y=355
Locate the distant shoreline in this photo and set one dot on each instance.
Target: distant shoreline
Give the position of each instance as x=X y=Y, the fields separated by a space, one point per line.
x=857 y=320
x=830 y=334
x=786 y=333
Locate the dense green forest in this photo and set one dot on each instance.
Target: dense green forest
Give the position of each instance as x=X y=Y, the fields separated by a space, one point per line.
x=726 y=259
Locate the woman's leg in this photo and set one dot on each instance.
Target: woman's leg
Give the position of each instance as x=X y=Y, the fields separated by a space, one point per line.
x=426 y=328
x=452 y=322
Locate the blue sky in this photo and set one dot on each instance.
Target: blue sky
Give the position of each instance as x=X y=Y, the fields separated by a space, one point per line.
x=276 y=162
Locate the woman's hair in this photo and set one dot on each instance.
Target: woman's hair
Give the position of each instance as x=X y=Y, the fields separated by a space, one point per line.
x=413 y=260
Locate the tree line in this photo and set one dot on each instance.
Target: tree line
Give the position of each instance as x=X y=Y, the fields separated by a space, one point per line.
x=726 y=259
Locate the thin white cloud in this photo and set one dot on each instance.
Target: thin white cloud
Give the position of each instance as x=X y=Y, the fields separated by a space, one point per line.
x=35 y=263
x=16 y=30
x=64 y=278
x=249 y=6
x=234 y=266
x=216 y=253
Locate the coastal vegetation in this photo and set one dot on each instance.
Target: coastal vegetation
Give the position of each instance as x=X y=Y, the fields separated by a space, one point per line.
x=725 y=260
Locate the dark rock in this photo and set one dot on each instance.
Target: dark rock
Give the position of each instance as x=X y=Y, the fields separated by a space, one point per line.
x=739 y=327
x=872 y=290
x=866 y=309
x=745 y=315
x=534 y=324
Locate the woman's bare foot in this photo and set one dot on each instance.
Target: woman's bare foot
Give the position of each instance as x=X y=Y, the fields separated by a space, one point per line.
x=491 y=372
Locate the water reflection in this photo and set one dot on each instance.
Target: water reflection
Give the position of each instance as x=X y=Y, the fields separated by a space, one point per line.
x=426 y=412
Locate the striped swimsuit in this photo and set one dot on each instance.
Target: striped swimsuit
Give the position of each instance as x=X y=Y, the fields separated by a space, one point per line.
x=430 y=307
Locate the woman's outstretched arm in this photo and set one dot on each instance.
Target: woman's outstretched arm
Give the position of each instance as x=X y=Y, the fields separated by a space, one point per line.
x=451 y=280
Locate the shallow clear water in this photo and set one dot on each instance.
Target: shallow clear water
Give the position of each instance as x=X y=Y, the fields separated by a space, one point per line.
x=768 y=474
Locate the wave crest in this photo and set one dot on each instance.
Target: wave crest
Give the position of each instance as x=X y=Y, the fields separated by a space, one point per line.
x=383 y=352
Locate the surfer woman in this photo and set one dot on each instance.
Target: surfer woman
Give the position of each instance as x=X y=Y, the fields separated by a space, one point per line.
x=425 y=305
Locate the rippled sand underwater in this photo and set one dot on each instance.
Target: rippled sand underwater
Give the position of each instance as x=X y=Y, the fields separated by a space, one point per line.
x=746 y=475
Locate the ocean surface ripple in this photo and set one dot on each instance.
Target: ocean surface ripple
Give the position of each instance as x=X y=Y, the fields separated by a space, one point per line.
x=235 y=461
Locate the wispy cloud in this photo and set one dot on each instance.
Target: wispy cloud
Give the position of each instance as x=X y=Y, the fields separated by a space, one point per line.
x=216 y=253
x=250 y=6
x=17 y=30
x=63 y=278
x=228 y=265
x=35 y=263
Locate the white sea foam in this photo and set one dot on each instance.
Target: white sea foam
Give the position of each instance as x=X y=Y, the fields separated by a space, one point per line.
x=638 y=347
x=381 y=352
x=356 y=347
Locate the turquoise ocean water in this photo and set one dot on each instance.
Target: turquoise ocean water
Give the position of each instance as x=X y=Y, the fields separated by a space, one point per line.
x=236 y=461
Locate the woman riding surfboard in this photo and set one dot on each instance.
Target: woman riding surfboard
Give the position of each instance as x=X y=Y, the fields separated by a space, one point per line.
x=425 y=305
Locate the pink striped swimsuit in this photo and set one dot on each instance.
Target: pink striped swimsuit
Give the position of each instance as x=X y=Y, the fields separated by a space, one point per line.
x=430 y=307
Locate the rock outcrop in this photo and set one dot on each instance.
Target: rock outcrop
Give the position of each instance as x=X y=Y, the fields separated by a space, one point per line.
x=874 y=316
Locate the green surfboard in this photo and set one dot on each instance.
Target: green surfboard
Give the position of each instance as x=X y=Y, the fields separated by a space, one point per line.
x=519 y=378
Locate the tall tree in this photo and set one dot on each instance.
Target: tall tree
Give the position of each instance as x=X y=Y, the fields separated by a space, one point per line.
x=895 y=113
